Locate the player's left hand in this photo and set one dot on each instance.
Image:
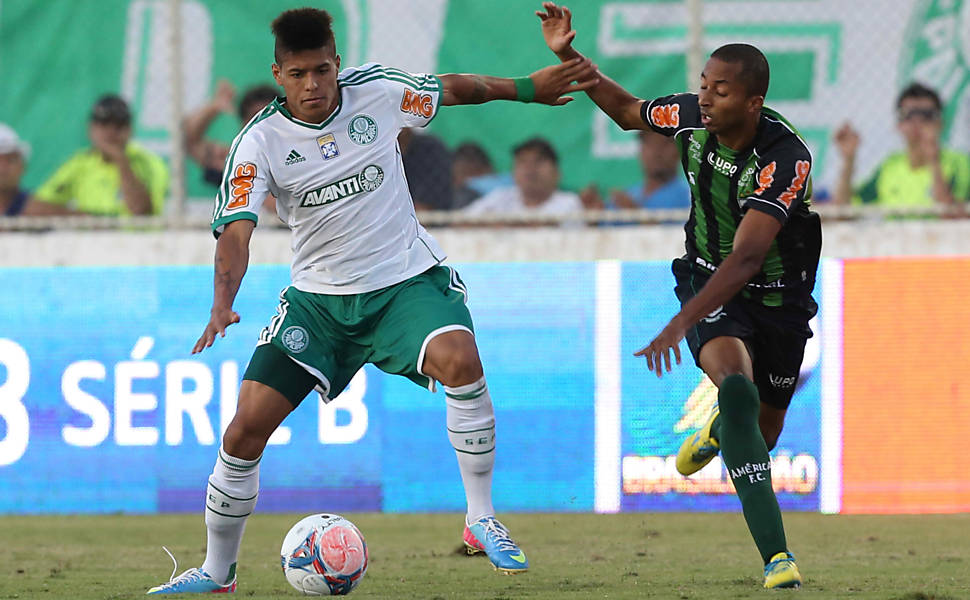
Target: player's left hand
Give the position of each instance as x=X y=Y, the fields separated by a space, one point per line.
x=669 y=339
x=554 y=81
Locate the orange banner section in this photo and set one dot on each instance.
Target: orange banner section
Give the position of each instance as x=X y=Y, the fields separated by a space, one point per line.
x=906 y=386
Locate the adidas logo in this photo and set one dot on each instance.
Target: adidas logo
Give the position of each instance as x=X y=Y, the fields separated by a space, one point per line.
x=294 y=157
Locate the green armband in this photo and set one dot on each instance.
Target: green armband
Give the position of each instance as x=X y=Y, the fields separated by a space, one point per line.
x=525 y=90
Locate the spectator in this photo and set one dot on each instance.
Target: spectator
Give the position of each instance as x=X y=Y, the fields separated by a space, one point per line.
x=472 y=174
x=14 y=153
x=921 y=175
x=427 y=167
x=211 y=154
x=113 y=177
x=536 y=174
x=663 y=187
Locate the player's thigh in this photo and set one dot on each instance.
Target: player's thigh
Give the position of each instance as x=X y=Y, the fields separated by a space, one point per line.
x=724 y=356
x=716 y=341
x=424 y=308
x=259 y=412
x=309 y=349
x=778 y=347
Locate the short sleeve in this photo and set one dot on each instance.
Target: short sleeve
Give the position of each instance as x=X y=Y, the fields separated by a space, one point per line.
x=60 y=187
x=415 y=97
x=245 y=183
x=783 y=179
x=671 y=114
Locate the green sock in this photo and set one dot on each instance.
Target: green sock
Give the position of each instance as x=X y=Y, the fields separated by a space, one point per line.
x=746 y=457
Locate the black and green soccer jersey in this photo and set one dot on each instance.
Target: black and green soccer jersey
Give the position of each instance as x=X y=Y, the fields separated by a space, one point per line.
x=773 y=176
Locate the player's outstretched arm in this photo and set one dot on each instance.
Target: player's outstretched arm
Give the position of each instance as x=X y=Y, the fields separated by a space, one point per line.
x=548 y=85
x=619 y=104
x=751 y=243
x=231 y=262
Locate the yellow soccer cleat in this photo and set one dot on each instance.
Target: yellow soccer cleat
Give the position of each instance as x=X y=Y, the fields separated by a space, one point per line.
x=698 y=449
x=782 y=572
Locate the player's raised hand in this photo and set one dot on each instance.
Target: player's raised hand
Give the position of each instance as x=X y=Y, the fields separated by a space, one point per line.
x=557 y=27
x=219 y=321
x=553 y=82
x=660 y=347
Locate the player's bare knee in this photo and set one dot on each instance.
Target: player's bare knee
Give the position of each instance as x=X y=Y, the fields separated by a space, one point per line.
x=461 y=367
x=243 y=442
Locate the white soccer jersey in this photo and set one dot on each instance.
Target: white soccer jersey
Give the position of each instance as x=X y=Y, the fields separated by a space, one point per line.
x=339 y=185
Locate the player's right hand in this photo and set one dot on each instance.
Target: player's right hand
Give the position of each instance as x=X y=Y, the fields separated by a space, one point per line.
x=557 y=26
x=220 y=320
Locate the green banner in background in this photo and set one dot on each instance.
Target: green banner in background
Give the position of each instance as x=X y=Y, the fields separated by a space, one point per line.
x=58 y=56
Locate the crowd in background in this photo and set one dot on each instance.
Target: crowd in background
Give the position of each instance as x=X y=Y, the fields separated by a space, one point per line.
x=115 y=176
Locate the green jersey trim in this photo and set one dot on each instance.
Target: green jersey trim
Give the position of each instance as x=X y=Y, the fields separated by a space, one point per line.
x=317 y=127
x=223 y=221
x=408 y=82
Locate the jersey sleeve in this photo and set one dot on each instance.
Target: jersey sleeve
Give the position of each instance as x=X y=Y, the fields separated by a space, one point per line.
x=782 y=180
x=414 y=97
x=245 y=183
x=671 y=114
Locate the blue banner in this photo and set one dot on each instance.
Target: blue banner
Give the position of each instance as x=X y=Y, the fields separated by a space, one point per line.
x=104 y=409
x=658 y=413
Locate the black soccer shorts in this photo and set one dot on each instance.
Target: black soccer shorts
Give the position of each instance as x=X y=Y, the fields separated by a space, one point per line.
x=775 y=336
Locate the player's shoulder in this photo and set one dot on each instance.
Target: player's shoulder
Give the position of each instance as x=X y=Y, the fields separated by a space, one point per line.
x=778 y=137
x=378 y=74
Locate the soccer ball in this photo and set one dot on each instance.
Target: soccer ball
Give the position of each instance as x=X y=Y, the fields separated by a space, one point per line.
x=324 y=555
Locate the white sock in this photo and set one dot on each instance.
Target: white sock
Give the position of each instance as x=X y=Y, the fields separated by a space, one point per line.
x=230 y=498
x=471 y=429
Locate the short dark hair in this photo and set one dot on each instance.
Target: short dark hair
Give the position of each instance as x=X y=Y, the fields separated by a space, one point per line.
x=258 y=94
x=473 y=153
x=918 y=90
x=754 y=66
x=302 y=29
x=539 y=145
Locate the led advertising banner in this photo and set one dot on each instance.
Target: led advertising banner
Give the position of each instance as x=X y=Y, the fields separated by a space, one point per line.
x=657 y=414
x=103 y=408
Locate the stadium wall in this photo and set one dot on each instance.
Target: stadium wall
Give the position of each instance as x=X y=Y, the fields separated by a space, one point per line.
x=102 y=409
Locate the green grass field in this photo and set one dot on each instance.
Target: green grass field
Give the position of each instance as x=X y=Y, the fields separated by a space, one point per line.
x=676 y=556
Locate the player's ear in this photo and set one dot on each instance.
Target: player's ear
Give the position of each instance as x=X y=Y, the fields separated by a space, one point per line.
x=277 y=74
x=337 y=62
x=756 y=103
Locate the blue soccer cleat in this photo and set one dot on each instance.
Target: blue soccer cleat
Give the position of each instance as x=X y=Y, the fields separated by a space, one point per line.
x=488 y=535
x=194 y=581
x=782 y=572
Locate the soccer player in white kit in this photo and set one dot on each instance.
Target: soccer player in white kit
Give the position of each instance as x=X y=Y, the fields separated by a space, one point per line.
x=368 y=282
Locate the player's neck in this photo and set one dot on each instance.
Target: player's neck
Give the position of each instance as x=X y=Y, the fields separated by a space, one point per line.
x=313 y=118
x=738 y=141
x=742 y=137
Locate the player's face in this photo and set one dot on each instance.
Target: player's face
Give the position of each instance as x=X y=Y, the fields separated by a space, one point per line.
x=11 y=170
x=919 y=118
x=725 y=102
x=535 y=175
x=309 y=78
